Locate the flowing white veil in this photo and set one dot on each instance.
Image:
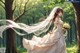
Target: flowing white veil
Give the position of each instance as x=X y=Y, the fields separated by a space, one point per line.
x=37 y=28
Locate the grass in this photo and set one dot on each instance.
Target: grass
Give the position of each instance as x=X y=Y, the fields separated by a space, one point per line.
x=70 y=49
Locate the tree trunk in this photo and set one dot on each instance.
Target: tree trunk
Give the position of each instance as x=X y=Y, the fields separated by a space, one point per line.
x=10 y=40
x=77 y=15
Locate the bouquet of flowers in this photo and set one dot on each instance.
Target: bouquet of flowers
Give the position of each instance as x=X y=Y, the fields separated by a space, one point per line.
x=66 y=26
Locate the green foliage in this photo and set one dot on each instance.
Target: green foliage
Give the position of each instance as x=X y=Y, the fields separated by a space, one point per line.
x=21 y=50
x=38 y=9
x=72 y=49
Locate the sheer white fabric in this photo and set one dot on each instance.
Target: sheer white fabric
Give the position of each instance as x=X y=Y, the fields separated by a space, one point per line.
x=37 y=28
x=50 y=43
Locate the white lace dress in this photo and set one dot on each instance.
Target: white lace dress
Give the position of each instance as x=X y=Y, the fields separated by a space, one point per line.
x=53 y=42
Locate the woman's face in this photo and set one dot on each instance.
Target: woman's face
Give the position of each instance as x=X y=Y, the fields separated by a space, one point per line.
x=60 y=13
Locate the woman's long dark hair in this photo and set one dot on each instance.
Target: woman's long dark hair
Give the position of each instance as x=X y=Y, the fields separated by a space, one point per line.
x=56 y=13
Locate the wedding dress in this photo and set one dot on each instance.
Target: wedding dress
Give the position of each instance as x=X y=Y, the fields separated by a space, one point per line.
x=53 y=42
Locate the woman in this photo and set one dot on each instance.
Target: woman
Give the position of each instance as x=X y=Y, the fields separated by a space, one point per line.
x=52 y=42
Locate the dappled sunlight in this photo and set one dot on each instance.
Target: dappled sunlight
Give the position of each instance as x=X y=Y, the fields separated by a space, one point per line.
x=72 y=49
x=30 y=12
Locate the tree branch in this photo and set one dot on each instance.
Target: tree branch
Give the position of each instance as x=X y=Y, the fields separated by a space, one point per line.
x=22 y=13
x=14 y=9
x=19 y=16
x=2 y=2
x=20 y=8
x=2 y=5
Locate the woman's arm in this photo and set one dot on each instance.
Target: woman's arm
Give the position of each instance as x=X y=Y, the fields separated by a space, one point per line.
x=55 y=24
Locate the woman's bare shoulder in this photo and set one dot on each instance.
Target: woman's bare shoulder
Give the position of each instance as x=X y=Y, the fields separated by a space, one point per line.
x=56 y=20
